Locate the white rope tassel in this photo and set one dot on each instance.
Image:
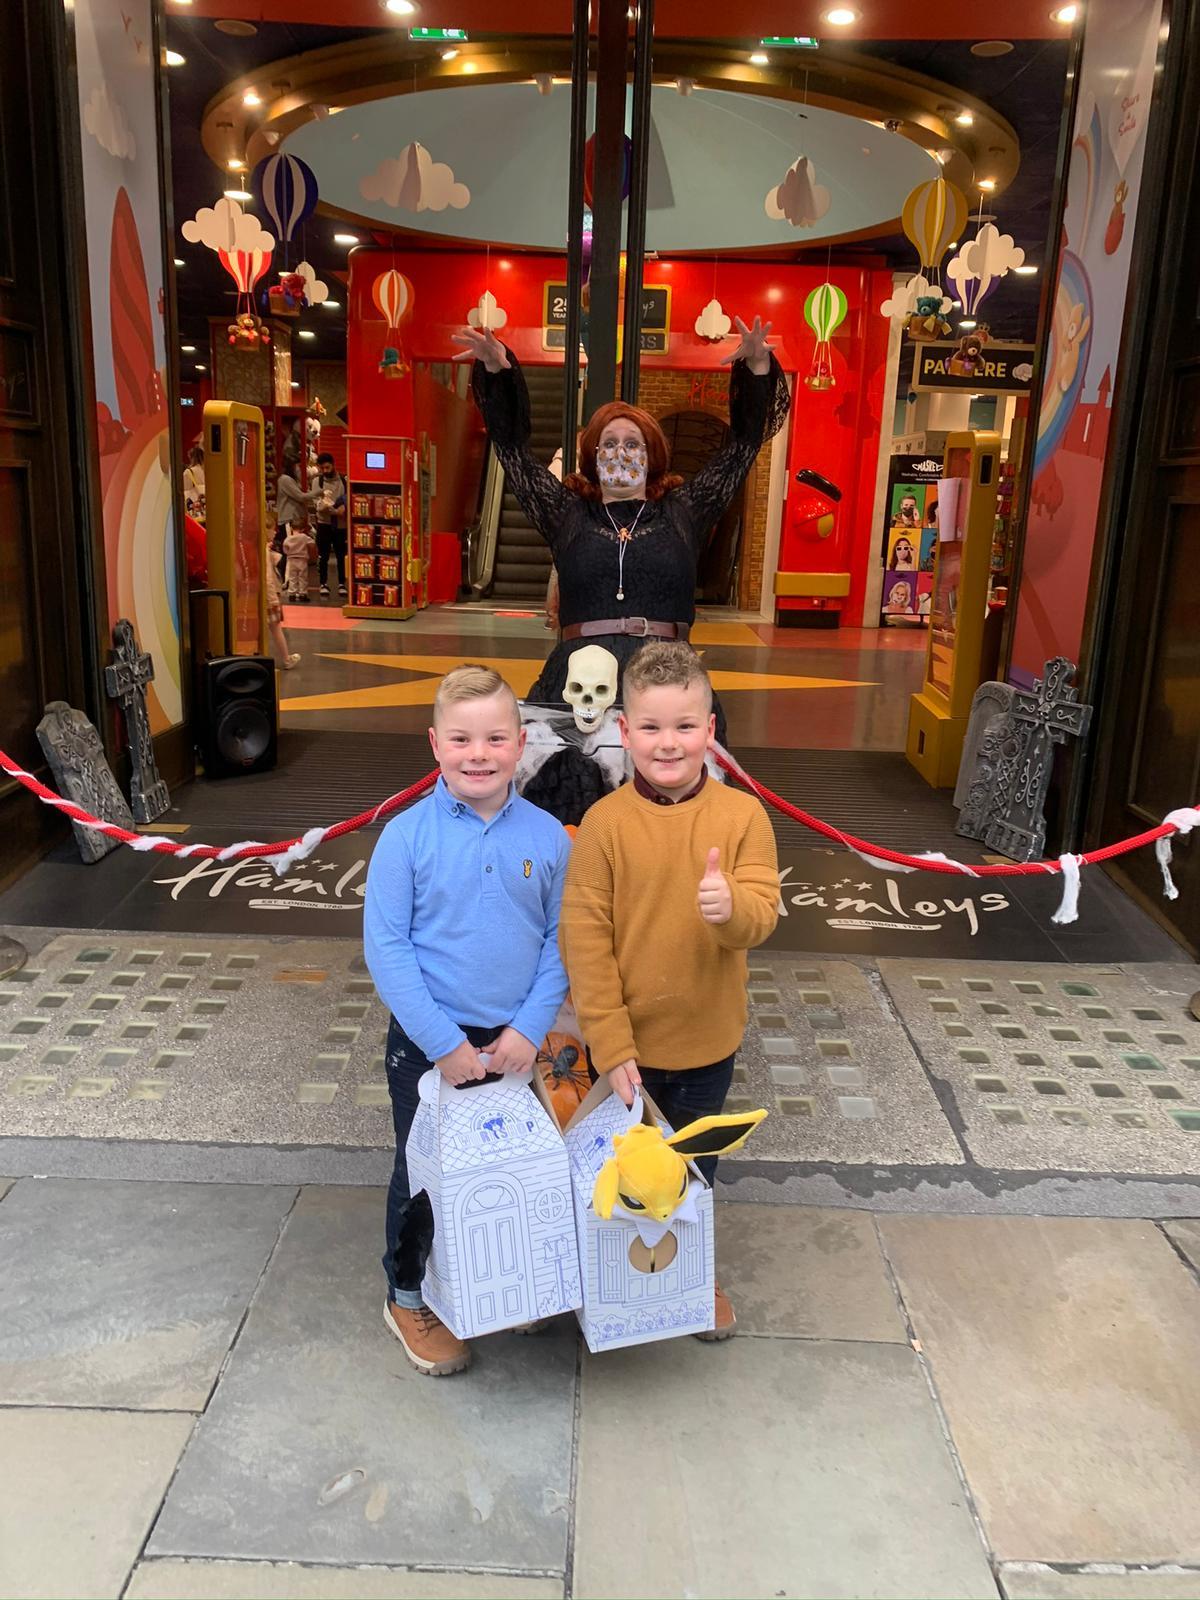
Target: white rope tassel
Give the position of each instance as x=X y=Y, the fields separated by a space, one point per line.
x=959 y=866
x=1068 y=907
x=302 y=848
x=1183 y=821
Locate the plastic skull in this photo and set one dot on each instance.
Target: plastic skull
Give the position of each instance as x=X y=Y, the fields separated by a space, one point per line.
x=591 y=685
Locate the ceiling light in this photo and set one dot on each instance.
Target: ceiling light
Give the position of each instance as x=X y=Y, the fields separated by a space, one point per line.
x=178 y=262
x=399 y=8
x=252 y=98
x=307 y=333
x=200 y=367
x=449 y=55
x=345 y=238
x=172 y=58
x=945 y=155
x=235 y=165
x=986 y=184
x=953 y=245
x=331 y=305
x=760 y=58
x=470 y=66
x=188 y=349
x=964 y=119
x=1026 y=271
x=968 y=323
x=840 y=17
x=992 y=47
x=1065 y=14
x=183 y=2
x=295 y=384
x=238 y=194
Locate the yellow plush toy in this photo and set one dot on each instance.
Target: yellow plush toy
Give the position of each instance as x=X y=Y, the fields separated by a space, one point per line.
x=647 y=1174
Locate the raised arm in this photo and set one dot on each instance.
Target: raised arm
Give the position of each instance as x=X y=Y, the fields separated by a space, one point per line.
x=758 y=408
x=501 y=395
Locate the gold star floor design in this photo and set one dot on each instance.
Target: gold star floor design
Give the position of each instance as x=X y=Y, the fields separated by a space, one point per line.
x=520 y=673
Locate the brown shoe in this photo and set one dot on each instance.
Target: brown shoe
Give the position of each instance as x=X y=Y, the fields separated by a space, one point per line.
x=428 y=1342
x=725 y=1323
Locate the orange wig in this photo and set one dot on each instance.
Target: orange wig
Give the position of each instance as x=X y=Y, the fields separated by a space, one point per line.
x=658 y=454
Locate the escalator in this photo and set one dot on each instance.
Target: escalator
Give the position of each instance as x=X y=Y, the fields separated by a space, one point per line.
x=509 y=559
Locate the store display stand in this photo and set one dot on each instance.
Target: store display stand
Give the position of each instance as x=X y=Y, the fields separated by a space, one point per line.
x=386 y=572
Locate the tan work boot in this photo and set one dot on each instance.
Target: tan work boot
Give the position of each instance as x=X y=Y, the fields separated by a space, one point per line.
x=725 y=1322
x=427 y=1341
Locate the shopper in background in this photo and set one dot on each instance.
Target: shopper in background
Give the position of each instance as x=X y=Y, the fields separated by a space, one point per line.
x=331 y=522
x=193 y=483
x=297 y=547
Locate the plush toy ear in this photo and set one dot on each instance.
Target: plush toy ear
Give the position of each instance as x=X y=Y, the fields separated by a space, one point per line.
x=715 y=1136
x=604 y=1195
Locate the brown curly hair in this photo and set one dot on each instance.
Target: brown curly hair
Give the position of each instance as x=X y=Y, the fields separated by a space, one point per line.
x=658 y=453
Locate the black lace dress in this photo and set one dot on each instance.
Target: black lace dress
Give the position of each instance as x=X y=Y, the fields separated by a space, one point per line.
x=659 y=581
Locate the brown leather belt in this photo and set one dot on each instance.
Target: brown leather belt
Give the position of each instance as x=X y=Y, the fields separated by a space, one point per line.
x=639 y=627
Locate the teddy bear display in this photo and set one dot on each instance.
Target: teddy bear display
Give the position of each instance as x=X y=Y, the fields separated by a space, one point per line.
x=390 y=363
x=968 y=358
x=248 y=330
x=287 y=296
x=926 y=322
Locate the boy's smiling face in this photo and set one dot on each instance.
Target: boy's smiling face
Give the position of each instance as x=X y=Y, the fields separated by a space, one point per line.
x=477 y=744
x=667 y=730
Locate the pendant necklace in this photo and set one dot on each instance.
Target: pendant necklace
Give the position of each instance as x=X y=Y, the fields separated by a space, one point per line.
x=624 y=535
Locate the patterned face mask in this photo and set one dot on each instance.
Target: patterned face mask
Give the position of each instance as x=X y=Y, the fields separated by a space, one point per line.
x=621 y=466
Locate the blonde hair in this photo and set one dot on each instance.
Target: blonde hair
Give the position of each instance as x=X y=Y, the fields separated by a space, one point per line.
x=664 y=664
x=472 y=682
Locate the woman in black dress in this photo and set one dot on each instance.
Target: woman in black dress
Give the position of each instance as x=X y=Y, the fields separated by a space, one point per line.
x=625 y=533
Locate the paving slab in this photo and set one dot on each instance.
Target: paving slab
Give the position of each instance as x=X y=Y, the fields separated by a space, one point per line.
x=127 y=1294
x=286 y=1580
x=1063 y=1350
x=1080 y=1069
x=827 y=1059
x=806 y=1273
x=69 y=1523
x=5 y=1185
x=322 y=1444
x=1027 y=1582
x=1185 y=1236
x=767 y=1467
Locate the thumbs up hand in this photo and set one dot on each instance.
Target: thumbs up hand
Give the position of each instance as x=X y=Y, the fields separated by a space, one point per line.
x=715 y=898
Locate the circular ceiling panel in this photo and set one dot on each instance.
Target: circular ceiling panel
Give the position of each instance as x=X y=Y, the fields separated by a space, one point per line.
x=495 y=167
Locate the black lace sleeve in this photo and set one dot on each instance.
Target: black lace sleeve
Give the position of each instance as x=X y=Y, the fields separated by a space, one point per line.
x=758 y=408
x=503 y=399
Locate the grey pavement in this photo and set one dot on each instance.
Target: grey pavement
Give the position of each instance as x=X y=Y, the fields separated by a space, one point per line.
x=198 y=1399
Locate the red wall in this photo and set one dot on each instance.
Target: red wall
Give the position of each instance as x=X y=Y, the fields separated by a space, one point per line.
x=836 y=431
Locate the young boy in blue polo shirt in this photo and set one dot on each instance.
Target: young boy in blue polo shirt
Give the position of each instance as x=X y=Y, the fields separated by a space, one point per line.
x=461 y=937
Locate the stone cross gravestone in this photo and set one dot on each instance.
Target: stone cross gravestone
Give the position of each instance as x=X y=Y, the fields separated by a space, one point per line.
x=991 y=700
x=72 y=747
x=1006 y=798
x=125 y=681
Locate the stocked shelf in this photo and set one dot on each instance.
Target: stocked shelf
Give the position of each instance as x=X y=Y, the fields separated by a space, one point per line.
x=387 y=569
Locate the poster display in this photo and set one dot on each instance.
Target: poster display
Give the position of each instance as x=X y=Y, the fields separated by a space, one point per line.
x=909 y=538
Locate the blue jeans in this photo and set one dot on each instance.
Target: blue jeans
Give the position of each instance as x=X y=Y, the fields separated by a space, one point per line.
x=685 y=1096
x=405 y=1064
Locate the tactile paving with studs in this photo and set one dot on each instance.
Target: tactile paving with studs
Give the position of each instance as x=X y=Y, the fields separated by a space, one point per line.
x=168 y=1038
x=842 y=1082
x=1091 y=1069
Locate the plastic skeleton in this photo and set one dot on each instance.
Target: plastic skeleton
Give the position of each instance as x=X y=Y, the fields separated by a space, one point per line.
x=647 y=1174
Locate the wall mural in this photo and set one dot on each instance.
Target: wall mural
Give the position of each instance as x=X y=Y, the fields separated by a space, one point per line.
x=1103 y=186
x=124 y=240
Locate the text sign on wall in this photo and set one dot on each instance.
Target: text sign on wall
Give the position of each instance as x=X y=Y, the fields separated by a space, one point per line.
x=554 y=316
x=997 y=369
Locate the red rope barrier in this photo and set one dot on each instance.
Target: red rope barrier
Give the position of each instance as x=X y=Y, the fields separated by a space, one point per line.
x=315 y=836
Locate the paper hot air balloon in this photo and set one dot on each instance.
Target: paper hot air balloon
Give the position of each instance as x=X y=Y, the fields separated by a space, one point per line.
x=933 y=218
x=245 y=267
x=393 y=297
x=824 y=311
x=286 y=189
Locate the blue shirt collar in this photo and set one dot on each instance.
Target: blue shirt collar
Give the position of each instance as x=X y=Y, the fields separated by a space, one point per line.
x=459 y=808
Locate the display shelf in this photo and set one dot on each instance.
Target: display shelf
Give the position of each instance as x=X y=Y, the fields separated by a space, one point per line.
x=386 y=572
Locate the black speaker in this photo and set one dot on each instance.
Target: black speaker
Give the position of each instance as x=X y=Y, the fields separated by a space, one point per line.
x=236 y=710
x=238 y=721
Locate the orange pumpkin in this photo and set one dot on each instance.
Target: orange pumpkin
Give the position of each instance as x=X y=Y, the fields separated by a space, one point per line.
x=563 y=1066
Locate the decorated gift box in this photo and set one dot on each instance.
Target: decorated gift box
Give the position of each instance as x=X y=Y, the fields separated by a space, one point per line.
x=490 y=1179
x=389 y=539
x=362 y=538
x=387 y=569
x=393 y=507
x=364 y=567
x=362 y=594
x=391 y=594
x=361 y=505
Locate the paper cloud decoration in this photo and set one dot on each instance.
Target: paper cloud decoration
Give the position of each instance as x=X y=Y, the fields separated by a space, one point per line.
x=314 y=290
x=799 y=199
x=979 y=265
x=1023 y=373
x=227 y=227
x=903 y=301
x=712 y=323
x=488 y=314
x=105 y=121
x=414 y=181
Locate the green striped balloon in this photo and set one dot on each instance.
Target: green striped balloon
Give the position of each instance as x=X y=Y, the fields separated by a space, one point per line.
x=825 y=310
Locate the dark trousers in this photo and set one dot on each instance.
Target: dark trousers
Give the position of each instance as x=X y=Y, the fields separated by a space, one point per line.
x=331 y=538
x=685 y=1096
x=404 y=1065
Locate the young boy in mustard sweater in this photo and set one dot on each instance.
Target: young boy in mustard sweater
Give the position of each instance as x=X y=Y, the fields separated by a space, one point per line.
x=672 y=878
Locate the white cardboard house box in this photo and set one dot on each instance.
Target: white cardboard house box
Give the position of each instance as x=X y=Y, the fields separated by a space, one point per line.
x=493 y=1163
x=629 y=1297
